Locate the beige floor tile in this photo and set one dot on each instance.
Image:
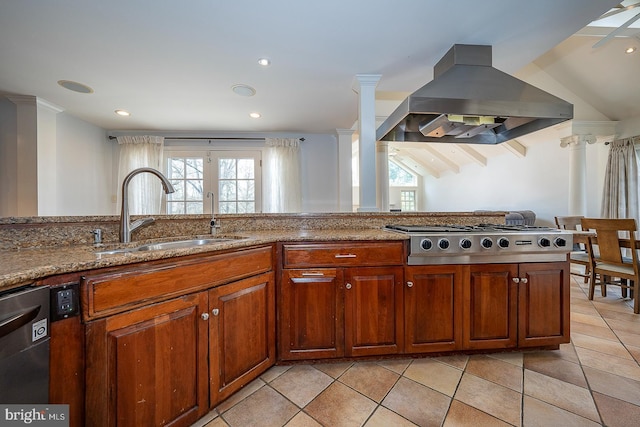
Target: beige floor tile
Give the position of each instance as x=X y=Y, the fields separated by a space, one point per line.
x=457 y=360
x=334 y=370
x=417 y=403
x=613 y=348
x=274 y=372
x=615 y=365
x=537 y=413
x=595 y=320
x=617 y=413
x=494 y=399
x=339 y=405
x=301 y=384
x=593 y=331
x=515 y=358
x=584 y=309
x=496 y=371
x=629 y=339
x=370 y=379
x=613 y=385
x=461 y=415
x=561 y=394
x=265 y=407
x=395 y=365
x=303 y=420
x=555 y=367
x=434 y=374
x=635 y=352
x=216 y=422
x=383 y=417
x=618 y=325
x=240 y=395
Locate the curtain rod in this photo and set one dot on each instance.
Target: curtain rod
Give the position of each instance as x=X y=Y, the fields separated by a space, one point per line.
x=215 y=138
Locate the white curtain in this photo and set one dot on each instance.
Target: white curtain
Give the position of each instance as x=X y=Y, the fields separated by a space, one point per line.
x=145 y=189
x=283 y=192
x=620 y=192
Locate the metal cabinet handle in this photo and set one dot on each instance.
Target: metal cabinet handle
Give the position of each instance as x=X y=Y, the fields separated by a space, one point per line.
x=312 y=274
x=215 y=311
x=516 y=279
x=348 y=286
x=524 y=280
x=410 y=284
x=205 y=316
x=345 y=255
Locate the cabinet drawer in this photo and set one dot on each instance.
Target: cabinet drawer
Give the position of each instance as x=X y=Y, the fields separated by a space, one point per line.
x=343 y=254
x=133 y=286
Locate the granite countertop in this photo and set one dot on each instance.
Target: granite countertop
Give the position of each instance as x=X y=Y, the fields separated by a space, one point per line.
x=23 y=266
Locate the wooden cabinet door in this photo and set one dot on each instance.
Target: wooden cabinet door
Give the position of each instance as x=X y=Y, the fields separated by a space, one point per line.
x=491 y=307
x=149 y=366
x=543 y=304
x=242 y=333
x=433 y=308
x=373 y=320
x=311 y=314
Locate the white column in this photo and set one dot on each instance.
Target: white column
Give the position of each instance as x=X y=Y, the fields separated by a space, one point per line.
x=26 y=150
x=345 y=182
x=382 y=174
x=47 y=155
x=577 y=171
x=366 y=88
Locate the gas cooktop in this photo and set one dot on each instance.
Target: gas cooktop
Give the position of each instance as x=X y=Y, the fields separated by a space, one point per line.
x=479 y=228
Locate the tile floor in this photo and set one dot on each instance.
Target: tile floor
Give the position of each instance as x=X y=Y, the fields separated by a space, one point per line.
x=594 y=380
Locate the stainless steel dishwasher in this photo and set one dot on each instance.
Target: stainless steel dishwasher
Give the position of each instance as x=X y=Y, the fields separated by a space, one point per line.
x=24 y=345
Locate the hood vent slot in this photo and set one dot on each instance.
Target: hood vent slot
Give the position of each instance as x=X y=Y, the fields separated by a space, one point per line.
x=469 y=101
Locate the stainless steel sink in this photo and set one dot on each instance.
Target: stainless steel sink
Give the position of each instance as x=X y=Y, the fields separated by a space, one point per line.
x=179 y=244
x=174 y=244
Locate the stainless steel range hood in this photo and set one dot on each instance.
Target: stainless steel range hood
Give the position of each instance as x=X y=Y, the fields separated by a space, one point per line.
x=469 y=101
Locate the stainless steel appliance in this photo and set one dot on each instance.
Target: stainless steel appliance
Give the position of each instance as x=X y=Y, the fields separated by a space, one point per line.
x=469 y=101
x=484 y=243
x=24 y=345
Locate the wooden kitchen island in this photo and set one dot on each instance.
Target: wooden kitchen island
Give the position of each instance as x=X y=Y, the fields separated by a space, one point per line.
x=163 y=338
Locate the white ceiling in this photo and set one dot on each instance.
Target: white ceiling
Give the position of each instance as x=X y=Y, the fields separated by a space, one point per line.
x=172 y=64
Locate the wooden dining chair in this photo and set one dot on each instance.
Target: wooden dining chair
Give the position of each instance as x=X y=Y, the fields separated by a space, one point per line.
x=578 y=255
x=611 y=267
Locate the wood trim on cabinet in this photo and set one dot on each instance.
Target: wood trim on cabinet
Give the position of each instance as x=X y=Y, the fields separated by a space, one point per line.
x=343 y=254
x=115 y=292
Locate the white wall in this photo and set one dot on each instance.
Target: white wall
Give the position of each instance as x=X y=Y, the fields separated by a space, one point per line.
x=320 y=173
x=84 y=165
x=8 y=158
x=538 y=182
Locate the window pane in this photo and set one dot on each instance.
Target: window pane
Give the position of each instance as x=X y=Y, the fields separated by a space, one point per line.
x=227 y=168
x=227 y=207
x=194 y=168
x=398 y=176
x=227 y=190
x=246 y=190
x=176 y=169
x=245 y=168
x=246 y=207
x=194 y=207
x=175 y=208
x=179 y=193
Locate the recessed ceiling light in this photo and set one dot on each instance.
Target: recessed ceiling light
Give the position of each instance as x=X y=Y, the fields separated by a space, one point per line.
x=123 y=113
x=630 y=49
x=243 y=90
x=255 y=115
x=265 y=62
x=75 y=86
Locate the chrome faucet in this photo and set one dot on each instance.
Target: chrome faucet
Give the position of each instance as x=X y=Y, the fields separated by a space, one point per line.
x=214 y=225
x=127 y=227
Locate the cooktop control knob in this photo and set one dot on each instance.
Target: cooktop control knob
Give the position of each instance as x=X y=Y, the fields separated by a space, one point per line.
x=486 y=242
x=426 y=244
x=465 y=243
x=560 y=242
x=443 y=244
x=503 y=242
x=544 y=242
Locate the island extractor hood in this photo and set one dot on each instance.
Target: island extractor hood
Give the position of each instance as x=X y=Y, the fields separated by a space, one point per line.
x=469 y=101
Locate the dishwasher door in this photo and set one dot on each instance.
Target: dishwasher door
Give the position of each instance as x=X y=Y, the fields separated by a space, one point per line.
x=24 y=346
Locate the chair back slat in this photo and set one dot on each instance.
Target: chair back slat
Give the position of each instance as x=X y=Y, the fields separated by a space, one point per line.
x=608 y=235
x=569 y=222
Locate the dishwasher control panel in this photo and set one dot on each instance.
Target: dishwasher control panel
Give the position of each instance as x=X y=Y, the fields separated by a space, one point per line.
x=65 y=301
